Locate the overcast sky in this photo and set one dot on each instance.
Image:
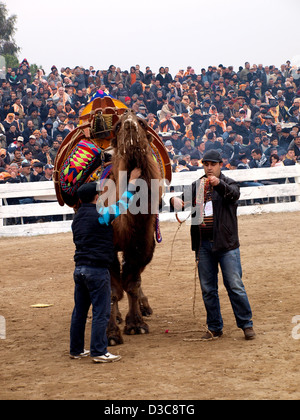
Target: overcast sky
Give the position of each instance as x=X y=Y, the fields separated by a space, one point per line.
x=173 y=33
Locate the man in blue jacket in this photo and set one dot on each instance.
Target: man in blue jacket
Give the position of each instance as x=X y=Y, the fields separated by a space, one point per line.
x=94 y=253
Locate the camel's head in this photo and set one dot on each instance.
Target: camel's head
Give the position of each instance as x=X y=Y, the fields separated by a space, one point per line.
x=131 y=136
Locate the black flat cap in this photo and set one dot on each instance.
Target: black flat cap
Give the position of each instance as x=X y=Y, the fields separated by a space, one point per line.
x=212 y=156
x=87 y=192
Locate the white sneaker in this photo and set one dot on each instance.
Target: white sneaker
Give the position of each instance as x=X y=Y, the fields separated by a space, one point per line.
x=85 y=353
x=106 y=358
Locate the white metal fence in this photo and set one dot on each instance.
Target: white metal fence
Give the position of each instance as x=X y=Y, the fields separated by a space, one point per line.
x=17 y=219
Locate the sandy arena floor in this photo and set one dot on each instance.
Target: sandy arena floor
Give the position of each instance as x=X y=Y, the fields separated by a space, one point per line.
x=162 y=365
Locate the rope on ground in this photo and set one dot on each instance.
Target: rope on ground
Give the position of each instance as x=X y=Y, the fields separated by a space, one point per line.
x=172 y=249
x=205 y=329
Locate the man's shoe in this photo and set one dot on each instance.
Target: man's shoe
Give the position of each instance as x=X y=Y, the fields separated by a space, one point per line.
x=249 y=333
x=85 y=353
x=106 y=358
x=211 y=335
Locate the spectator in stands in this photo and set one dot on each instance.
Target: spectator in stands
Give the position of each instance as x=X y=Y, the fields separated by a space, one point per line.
x=187 y=149
x=285 y=139
x=48 y=173
x=17 y=157
x=28 y=131
x=11 y=135
x=9 y=121
x=275 y=161
x=168 y=123
x=44 y=155
x=45 y=138
x=259 y=160
x=54 y=149
x=61 y=129
x=295 y=146
x=37 y=172
x=290 y=158
x=215 y=100
x=24 y=173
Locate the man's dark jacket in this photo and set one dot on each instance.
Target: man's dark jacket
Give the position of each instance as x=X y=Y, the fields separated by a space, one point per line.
x=225 y=227
x=93 y=241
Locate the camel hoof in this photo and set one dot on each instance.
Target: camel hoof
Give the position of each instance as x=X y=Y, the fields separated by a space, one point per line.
x=135 y=330
x=114 y=339
x=146 y=311
x=145 y=308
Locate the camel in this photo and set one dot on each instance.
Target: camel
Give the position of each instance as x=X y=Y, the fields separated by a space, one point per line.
x=133 y=233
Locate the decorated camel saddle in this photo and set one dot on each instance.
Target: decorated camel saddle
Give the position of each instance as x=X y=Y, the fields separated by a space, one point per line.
x=82 y=156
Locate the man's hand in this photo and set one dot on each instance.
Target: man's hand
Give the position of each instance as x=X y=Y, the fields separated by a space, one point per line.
x=214 y=181
x=135 y=174
x=177 y=203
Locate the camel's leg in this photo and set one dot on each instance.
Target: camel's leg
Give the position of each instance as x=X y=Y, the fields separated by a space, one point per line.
x=113 y=331
x=131 y=280
x=145 y=308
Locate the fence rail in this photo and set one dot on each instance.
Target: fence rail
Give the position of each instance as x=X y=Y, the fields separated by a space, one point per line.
x=282 y=197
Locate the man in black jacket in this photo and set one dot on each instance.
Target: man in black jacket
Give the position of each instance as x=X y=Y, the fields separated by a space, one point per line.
x=93 y=239
x=93 y=256
x=214 y=234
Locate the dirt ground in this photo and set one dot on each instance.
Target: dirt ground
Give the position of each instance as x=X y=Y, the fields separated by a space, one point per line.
x=169 y=363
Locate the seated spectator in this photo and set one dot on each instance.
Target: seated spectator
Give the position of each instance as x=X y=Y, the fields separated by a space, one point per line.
x=28 y=131
x=176 y=140
x=290 y=158
x=170 y=149
x=167 y=108
x=195 y=161
x=61 y=129
x=152 y=121
x=285 y=139
x=11 y=135
x=17 y=157
x=16 y=145
x=27 y=155
x=9 y=121
x=48 y=173
x=24 y=173
x=44 y=155
x=54 y=149
x=37 y=171
x=259 y=160
x=35 y=118
x=45 y=138
x=212 y=142
x=187 y=149
x=168 y=124
x=61 y=96
x=295 y=145
x=275 y=161
x=182 y=166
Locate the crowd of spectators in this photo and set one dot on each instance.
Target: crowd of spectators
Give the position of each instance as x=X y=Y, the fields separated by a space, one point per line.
x=252 y=115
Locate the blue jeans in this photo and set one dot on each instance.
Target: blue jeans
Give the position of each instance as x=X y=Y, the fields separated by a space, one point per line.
x=230 y=264
x=92 y=287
